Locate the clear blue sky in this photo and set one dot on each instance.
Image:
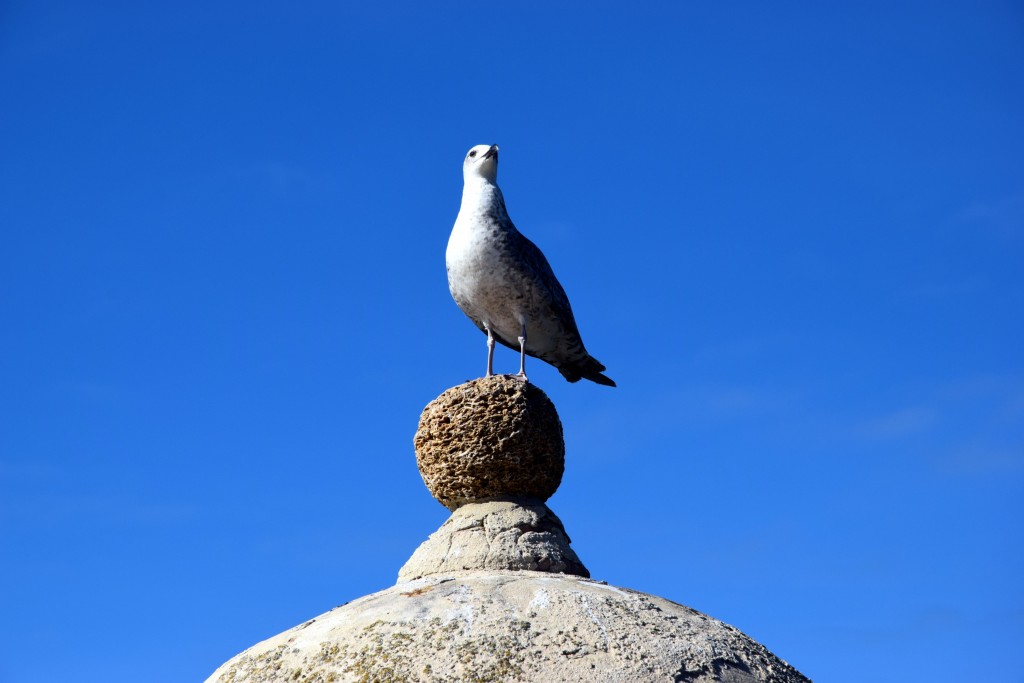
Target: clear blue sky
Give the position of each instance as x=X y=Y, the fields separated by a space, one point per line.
x=794 y=234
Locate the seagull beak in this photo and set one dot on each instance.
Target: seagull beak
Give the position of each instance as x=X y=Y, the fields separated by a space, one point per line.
x=492 y=152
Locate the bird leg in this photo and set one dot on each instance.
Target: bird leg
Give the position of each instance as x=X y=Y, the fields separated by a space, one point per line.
x=490 y=351
x=522 y=352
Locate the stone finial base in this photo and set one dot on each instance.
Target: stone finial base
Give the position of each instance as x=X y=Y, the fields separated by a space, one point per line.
x=492 y=451
x=516 y=534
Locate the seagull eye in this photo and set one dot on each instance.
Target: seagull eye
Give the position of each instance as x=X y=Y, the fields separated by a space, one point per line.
x=473 y=153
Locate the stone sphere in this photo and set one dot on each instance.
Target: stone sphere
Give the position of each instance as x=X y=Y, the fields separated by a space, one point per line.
x=494 y=437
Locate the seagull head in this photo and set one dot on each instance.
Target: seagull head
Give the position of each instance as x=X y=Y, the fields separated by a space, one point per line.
x=481 y=162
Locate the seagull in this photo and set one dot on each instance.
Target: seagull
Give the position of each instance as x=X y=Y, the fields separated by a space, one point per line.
x=502 y=281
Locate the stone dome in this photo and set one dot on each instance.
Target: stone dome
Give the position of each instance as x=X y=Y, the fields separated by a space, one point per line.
x=494 y=626
x=497 y=594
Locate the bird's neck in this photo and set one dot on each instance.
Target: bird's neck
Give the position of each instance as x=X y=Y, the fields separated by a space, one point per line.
x=480 y=192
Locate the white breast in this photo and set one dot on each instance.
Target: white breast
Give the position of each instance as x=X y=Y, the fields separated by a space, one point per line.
x=479 y=275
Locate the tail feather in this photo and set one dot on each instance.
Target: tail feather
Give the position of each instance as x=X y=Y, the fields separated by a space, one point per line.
x=589 y=368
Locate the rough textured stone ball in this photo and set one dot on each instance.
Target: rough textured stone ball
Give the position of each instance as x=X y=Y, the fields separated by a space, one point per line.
x=493 y=437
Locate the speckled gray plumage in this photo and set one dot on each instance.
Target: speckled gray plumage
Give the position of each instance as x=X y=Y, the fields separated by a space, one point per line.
x=500 y=279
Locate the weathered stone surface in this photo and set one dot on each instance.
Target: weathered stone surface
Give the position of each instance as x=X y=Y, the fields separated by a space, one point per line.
x=509 y=626
x=496 y=593
x=488 y=438
x=509 y=534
